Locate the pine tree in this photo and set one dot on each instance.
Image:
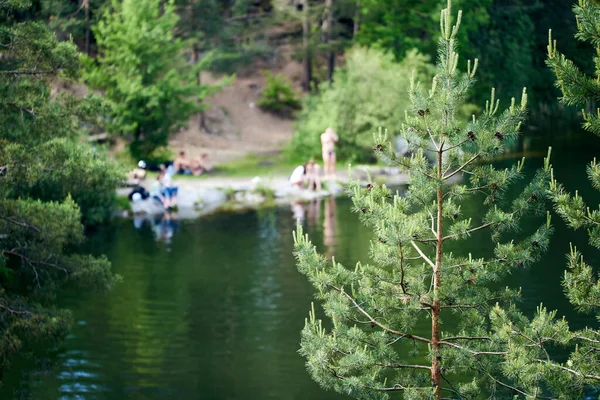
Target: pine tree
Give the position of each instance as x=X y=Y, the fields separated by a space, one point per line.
x=581 y=281
x=49 y=181
x=377 y=344
x=150 y=86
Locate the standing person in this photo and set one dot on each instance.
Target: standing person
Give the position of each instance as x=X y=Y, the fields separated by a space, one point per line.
x=313 y=175
x=328 y=140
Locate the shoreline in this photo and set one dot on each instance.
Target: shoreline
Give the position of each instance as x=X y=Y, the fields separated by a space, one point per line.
x=200 y=197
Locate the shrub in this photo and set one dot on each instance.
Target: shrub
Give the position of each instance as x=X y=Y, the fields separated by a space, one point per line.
x=278 y=96
x=370 y=92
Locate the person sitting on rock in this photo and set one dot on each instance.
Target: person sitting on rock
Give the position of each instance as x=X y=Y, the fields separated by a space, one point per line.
x=297 y=177
x=138 y=174
x=313 y=175
x=169 y=191
x=157 y=190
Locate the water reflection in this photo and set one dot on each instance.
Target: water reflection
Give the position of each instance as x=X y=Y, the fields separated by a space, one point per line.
x=310 y=213
x=163 y=226
x=330 y=227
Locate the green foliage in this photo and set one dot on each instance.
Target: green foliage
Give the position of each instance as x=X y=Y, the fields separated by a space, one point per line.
x=49 y=181
x=479 y=345
x=278 y=96
x=150 y=86
x=370 y=92
x=581 y=282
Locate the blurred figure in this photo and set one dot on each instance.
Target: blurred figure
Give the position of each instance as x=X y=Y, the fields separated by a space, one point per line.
x=328 y=140
x=297 y=177
x=313 y=175
x=138 y=173
x=157 y=191
x=182 y=165
x=330 y=227
x=169 y=191
x=299 y=211
x=314 y=211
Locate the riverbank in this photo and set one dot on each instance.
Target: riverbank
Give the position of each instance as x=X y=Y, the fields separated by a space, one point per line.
x=198 y=197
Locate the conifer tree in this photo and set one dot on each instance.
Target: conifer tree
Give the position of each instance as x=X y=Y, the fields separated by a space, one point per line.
x=425 y=319
x=49 y=181
x=581 y=281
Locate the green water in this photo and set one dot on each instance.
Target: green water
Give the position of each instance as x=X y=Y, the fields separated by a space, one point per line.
x=212 y=309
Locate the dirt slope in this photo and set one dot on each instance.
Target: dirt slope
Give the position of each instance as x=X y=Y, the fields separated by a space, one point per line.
x=238 y=127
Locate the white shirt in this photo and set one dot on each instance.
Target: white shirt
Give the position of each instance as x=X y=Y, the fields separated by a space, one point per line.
x=297 y=175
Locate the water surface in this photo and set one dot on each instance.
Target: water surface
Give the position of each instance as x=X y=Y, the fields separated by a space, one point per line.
x=212 y=309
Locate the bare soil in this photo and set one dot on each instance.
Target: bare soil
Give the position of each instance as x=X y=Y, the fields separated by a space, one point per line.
x=237 y=126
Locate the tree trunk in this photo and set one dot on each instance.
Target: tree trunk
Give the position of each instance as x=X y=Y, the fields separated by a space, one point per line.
x=327 y=34
x=201 y=115
x=195 y=58
x=306 y=44
x=436 y=371
x=356 y=20
x=86 y=4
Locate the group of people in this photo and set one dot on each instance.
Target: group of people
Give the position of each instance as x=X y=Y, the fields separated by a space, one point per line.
x=163 y=190
x=195 y=166
x=309 y=173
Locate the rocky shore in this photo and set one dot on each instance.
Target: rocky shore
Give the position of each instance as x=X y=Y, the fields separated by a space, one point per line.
x=198 y=197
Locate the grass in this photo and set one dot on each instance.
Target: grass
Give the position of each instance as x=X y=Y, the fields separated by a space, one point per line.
x=122 y=203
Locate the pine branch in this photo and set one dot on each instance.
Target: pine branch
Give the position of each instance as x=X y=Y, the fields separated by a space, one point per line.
x=466 y=164
x=428 y=368
x=571 y=371
x=470 y=230
x=374 y=321
x=423 y=256
x=18 y=223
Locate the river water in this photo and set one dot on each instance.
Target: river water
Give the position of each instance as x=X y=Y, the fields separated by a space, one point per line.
x=212 y=309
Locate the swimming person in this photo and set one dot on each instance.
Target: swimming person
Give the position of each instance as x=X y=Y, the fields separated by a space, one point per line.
x=328 y=140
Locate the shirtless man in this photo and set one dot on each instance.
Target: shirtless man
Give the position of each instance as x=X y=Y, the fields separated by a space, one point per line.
x=182 y=165
x=328 y=140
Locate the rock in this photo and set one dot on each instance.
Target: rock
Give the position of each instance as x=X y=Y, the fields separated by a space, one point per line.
x=335 y=188
x=148 y=206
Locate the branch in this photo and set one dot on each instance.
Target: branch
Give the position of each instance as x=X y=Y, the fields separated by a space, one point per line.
x=469 y=161
x=470 y=230
x=423 y=256
x=10 y=310
x=29 y=72
x=404 y=366
x=571 y=371
x=30 y=261
x=473 y=352
x=375 y=322
x=456 y=145
x=21 y=224
x=468 y=338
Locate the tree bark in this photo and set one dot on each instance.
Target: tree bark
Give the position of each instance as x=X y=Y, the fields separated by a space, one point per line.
x=86 y=4
x=327 y=34
x=356 y=20
x=436 y=371
x=195 y=58
x=306 y=43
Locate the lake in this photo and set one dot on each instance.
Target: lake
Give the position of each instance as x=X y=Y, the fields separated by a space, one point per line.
x=212 y=309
